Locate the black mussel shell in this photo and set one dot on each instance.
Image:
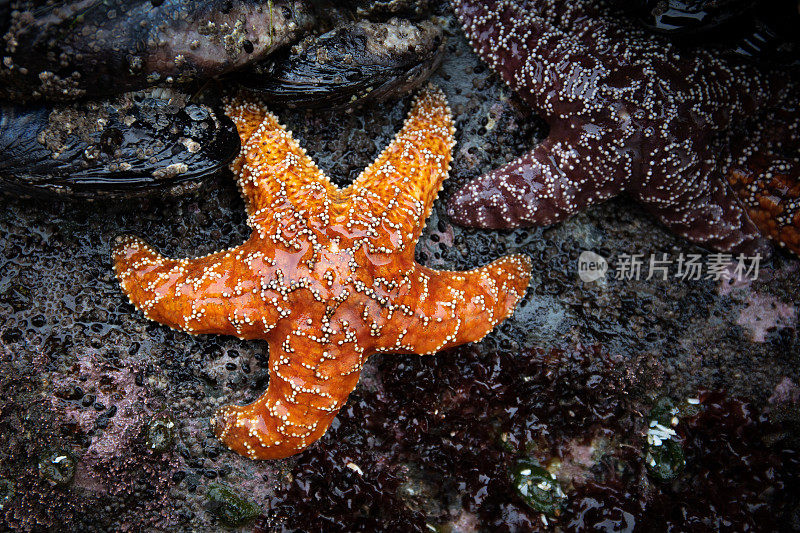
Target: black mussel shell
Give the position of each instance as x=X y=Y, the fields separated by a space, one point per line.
x=773 y=36
x=766 y=32
x=63 y=51
x=351 y=65
x=138 y=144
x=690 y=16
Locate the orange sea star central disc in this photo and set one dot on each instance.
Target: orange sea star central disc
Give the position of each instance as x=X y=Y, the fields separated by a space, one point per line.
x=327 y=277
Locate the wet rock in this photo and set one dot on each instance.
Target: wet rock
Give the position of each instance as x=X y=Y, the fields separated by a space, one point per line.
x=760 y=31
x=578 y=364
x=385 y=8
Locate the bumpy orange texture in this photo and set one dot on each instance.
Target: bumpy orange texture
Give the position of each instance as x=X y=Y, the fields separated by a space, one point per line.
x=327 y=278
x=771 y=194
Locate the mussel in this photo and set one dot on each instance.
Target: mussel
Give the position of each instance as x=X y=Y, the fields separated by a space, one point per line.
x=125 y=146
x=353 y=64
x=690 y=16
x=96 y=48
x=766 y=31
x=94 y=94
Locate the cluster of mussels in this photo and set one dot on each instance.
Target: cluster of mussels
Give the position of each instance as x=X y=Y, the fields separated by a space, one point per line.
x=121 y=98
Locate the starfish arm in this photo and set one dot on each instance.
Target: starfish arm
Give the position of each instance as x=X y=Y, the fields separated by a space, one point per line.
x=541 y=49
x=219 y=293
x=308 y=384
x=280 y=184
x=247 y=115
x=460 y=307
x=766 y=176
x=393 y=197
x=568 y=172
x=703 y=209
x=546 y=50
x=587 y=157
x=769 y=188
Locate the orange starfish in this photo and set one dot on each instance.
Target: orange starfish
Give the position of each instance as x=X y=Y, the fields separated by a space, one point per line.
x=327 y=277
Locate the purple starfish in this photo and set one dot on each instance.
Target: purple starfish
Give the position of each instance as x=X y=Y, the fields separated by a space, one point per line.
x=628 y=113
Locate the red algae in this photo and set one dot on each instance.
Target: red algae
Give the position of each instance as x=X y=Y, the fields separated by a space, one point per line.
x=441 y=453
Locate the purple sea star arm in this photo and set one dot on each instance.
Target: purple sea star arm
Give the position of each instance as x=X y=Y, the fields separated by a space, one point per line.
x=571 y=59
x=552 y=70
x=584 y=160
x=704 y=209
x=550 y=183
